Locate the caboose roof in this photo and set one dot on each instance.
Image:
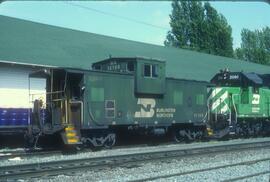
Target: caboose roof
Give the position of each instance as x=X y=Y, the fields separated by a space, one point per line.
x=26 y=42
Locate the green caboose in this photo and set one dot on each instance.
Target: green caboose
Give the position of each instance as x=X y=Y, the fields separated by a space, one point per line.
x=125 y=94
x=239 y=103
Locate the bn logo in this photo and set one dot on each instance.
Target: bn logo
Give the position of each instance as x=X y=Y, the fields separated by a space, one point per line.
x=147 y=108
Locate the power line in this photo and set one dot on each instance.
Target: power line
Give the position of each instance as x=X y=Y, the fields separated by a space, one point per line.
x=117 y=16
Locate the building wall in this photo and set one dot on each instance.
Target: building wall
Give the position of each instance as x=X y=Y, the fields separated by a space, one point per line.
x=14 y=87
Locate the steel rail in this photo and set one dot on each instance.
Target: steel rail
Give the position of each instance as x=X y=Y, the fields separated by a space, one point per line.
x=25 y=154
x=182 y=173
x=69 y=166
x=247 y=176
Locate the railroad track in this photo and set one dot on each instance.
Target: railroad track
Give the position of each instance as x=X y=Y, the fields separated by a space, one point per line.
x=12 y=154
x=26 y=154
x=211 y=169
x=33 y=170
x=22 y=153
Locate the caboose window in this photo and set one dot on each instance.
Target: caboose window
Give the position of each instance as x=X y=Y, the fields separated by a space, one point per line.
x=130 y=66
x=147 y=70
x=98 y=67
x=110 y=108
x=154 y=71
x=150 y=71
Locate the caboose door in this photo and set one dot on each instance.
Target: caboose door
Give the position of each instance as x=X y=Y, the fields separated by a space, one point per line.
x=75 y=112
x=75 y=97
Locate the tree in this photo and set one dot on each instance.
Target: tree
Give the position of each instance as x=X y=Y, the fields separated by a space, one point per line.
x=199 y=27
x=238 y=53
x=196 y=18
x=266 y=38
x=179 y=35
x=255 y=46
x=218 y=33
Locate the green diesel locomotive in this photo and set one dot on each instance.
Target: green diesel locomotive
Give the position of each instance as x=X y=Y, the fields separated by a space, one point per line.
x=239 y=103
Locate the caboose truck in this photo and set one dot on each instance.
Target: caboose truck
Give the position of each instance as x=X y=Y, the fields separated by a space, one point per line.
x=90 y=106
x=239 y=104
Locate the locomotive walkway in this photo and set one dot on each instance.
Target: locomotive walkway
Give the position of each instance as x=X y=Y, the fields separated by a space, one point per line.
x=32 y=170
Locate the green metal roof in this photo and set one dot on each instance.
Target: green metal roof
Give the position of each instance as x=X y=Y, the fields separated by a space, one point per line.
x=34 y=43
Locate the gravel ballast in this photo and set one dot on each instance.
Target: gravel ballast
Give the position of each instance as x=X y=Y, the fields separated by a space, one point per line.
x=121 y=151
x=172 y=166
x=146 y=170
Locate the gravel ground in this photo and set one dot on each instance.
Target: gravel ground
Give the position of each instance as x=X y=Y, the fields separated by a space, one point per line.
x=172 y=166
x=119 y=151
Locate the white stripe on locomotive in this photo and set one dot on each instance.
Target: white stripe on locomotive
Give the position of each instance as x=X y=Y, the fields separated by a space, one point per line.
x=219 y=100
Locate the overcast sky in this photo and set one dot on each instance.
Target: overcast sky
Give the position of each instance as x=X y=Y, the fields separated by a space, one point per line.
x=140 y=21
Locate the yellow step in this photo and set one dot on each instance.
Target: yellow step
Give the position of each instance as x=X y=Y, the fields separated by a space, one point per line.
x=72 y=140
x=71 y=134
x=210 y=131
x=69 y=128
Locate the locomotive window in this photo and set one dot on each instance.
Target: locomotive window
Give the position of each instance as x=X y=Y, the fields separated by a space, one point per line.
x=245 y=96
x=255 y=90
x=150 y=71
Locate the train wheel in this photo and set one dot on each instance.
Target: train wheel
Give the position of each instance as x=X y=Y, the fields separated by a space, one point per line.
x=110 y=141
x=178 y=137
x=29 y=141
